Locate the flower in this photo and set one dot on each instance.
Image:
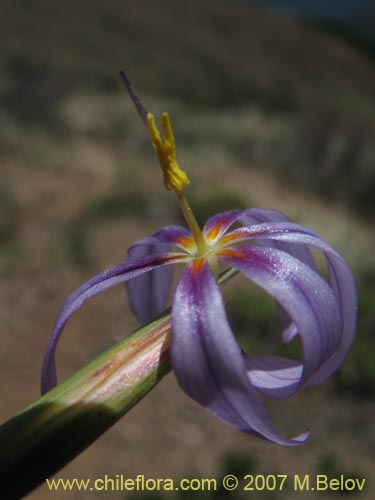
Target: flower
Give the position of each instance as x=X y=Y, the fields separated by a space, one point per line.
x=268 y=249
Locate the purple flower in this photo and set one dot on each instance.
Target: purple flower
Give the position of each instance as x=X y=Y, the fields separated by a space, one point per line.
x=272 y=252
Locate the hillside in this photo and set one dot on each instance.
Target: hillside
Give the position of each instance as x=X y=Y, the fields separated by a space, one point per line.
x=213 y=53
x=206 y=55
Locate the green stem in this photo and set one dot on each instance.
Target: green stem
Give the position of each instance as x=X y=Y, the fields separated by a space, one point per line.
x=52 y=431
x=49 y=433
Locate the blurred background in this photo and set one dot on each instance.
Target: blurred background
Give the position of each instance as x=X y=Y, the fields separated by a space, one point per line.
x=272 y=104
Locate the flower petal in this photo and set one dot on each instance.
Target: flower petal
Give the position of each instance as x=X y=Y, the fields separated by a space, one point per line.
x=291 y=330
x=148 y=293
x=274 y=376
x=95 y=285
x=259 y=215
x=207 y=361
x=170 y=235
x=341 y=280
x=219 y=224
x=303 y=293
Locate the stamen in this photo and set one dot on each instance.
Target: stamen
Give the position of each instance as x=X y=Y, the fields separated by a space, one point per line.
x=174 y=178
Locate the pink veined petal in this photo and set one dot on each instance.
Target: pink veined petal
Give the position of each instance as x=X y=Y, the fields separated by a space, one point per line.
x=207 y=361
x=303 y=293
x=274 y=376
x=341 y=280
x=149 y=292
x=95 y=285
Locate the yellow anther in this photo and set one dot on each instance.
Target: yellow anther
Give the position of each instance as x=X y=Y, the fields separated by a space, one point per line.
x=174 y=178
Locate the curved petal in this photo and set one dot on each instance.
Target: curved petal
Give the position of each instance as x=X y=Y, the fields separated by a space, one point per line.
x=259 y=215
x=177 y=236
x=207 y=361
x=341 y=281
x=274 y=376
x=301 y=252
x=148 y=293
x=303 y=293
x=95 y=285
x=217 y=226
x=290 y=329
